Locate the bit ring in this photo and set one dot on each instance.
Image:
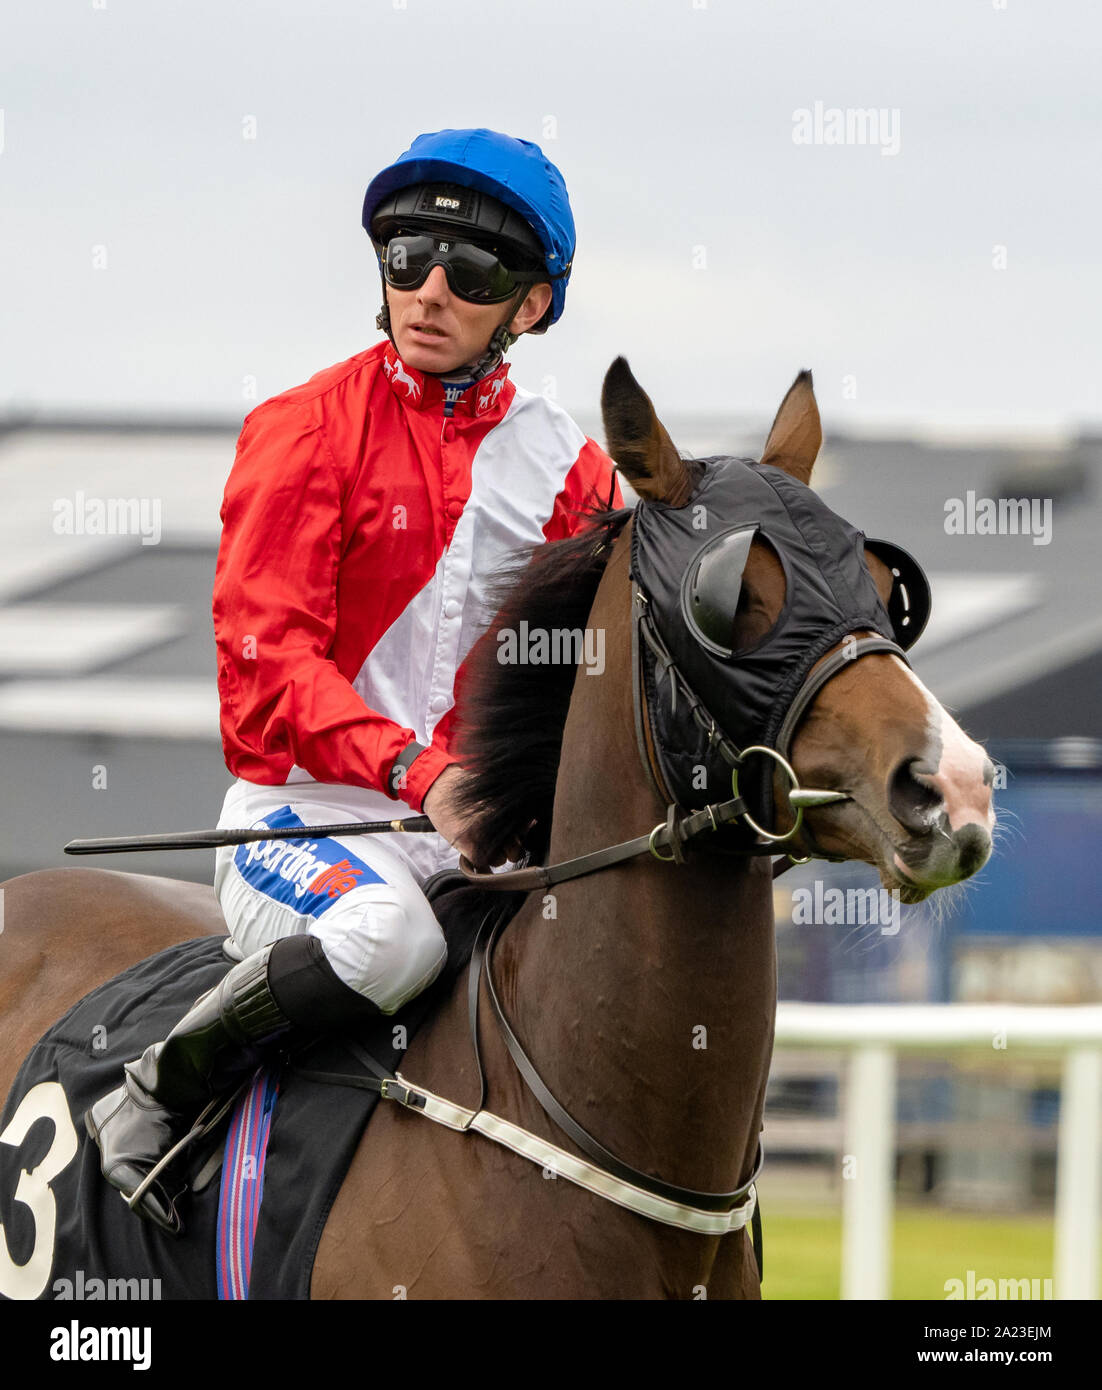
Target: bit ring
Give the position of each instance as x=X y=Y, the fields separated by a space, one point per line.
x=786 y=766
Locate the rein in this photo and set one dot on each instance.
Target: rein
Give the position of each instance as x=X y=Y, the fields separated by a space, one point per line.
x=684 y=1207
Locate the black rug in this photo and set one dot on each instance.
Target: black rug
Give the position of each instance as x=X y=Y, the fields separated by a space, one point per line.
x=69 y=1235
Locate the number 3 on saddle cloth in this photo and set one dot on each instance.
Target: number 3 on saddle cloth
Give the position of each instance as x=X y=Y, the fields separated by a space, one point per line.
x=252 y=1222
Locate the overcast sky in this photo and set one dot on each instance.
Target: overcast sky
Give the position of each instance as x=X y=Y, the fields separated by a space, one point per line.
x=153 y=257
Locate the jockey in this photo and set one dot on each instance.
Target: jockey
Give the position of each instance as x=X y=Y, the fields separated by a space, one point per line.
x=362 y=521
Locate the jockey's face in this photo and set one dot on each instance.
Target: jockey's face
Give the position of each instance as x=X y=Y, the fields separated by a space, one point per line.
x=436 y=331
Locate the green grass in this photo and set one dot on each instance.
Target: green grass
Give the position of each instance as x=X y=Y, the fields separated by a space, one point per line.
x=803 y=1251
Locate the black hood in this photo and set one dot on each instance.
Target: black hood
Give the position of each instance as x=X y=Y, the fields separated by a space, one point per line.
x=829 y=593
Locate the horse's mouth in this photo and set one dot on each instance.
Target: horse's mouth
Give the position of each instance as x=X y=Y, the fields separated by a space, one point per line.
x=908 y=893
x=901 y=865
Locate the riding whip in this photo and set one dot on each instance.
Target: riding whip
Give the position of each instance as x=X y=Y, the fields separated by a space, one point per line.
x=213 y=839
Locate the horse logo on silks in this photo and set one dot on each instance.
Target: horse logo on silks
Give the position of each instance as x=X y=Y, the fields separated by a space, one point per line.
x=396 y=372
x=490 y=398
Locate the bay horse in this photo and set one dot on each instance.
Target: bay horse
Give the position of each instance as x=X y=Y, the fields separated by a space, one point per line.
x=645 y=993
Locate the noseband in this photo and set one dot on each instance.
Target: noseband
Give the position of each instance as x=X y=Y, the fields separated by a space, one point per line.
x=736 y=809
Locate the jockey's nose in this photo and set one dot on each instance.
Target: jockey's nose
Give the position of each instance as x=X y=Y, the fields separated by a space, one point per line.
x=436 y=288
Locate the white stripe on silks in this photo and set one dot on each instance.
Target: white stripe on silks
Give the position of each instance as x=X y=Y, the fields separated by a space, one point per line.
x=517 y=472
x=578 y=1170
x=395 y=678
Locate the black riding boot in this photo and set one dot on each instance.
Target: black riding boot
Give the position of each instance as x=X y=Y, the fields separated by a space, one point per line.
x=212 y=1049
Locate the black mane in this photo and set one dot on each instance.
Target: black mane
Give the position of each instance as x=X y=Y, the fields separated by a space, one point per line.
x=512 y=716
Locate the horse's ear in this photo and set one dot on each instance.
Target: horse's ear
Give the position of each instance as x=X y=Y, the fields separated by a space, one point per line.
x=797 y=434
x=638 y=442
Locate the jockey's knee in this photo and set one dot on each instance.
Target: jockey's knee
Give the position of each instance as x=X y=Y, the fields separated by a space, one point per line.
x=388 y=951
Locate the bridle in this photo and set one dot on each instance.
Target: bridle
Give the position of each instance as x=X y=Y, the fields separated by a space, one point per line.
x=668 y=838
x=799 y=798
x=666 y=842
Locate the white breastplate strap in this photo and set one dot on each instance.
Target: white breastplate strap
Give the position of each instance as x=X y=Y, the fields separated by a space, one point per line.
x=557 y=1162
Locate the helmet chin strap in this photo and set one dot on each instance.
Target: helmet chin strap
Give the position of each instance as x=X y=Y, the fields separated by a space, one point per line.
x=500 y=342
x=503 y=339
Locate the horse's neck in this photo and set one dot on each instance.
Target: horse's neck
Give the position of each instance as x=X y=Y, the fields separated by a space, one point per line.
x=644 y=994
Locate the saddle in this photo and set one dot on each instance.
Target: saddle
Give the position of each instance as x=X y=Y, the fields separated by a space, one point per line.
x=330 y=1087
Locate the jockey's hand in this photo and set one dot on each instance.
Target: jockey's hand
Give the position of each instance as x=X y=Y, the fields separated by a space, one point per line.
x=439 y=806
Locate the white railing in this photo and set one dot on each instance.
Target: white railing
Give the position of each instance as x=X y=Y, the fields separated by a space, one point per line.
x=873 y=1033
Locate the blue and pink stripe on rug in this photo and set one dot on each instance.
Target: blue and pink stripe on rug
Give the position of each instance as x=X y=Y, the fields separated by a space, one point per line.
x=243 y=1183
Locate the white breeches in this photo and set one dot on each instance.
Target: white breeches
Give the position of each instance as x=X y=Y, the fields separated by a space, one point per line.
x=358 y=894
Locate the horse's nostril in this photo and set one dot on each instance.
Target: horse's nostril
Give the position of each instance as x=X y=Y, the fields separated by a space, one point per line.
x=973 y=847
x=912 y=802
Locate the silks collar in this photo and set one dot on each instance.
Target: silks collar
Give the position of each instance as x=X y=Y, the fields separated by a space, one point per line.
x=488 y=396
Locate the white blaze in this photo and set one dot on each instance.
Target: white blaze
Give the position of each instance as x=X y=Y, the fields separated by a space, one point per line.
x=959 y=777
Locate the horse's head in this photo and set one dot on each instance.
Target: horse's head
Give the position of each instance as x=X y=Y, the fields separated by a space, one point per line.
x=766 y=619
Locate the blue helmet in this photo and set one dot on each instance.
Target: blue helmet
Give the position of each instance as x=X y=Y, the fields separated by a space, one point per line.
x=516 y=172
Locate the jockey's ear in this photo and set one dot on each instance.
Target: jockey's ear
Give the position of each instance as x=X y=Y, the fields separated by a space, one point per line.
x=535 y=305
x=638 y=441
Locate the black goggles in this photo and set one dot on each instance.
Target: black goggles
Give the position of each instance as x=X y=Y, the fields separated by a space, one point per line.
x=473 y=274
